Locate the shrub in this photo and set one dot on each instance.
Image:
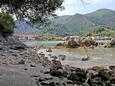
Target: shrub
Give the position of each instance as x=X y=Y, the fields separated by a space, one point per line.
x=6 y=23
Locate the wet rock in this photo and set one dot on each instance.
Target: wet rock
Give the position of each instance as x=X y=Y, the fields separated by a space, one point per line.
x=1 y=48
x=55 y=65
x=97 y=68
x=81 y=73
x=70 y=69
x=112 y=79
x=17 y=47
x=41 y=71
x=47 y=83
x=59 y=44
x=62 y=57
x=101 y=79
x=72 y=44
x=25 y=69
x=96 y=81
x=69 y=82
x=41 y=54
x=52 y=84
x=88 y=42
x=112 y=67
x=45 y=78
x=1 y=76
x=65 y=73
x=67 y=68
x=78 y=76
x=49 y=78
x=107 y=83
x=49 y=50
x=57 y=72
x=54 y=57
x=104 y=74
x=47 y=72
x=112 y=43
x=73 y=77
x=45 y=61
x=15 y=54
x=35 y=76
x=89 y=75
x=86 y=58
x=21 y=62
x=41 y=79
x=49 y=54
x=91 y=72
x=15 y=43
x=32 y=65
x=56 y=68
x=85 y=84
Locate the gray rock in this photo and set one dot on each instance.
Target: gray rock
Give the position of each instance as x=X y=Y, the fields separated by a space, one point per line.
x=21 y=62
x=57 y=73
x=62 y=57
x=54 y=57
x=72 y=44
x=112 y=67
x=47 y=83
x=32 y=65
x=55 y=65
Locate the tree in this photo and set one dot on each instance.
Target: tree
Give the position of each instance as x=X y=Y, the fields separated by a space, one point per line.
x=33 y=10
x=6 y=23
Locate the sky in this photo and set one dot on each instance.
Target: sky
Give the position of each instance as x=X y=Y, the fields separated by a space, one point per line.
x=76 y=6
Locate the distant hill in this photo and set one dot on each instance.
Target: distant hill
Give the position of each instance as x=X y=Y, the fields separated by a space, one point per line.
x=72 y=24
x=103 y=16
x=23 y=27
x=75 y=24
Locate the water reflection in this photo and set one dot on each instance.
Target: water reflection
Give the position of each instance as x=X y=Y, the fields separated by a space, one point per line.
x=99 y=57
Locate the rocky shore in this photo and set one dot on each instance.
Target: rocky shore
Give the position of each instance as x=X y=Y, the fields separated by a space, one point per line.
x=22 y=66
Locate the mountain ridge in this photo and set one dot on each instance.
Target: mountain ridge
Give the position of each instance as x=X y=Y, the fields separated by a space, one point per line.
x=82 y=23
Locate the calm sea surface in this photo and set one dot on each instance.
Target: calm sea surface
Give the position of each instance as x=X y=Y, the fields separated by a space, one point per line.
x=98 y=56
x=44 y=43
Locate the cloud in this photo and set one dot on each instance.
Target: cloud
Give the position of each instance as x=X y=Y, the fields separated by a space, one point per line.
x=70 y=2
x=97 y=1
x=65 y=12
x=75 y=6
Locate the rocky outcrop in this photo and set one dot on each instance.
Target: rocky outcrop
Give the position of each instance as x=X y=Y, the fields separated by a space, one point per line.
x=80 y=41
x=112 y=43
x=88 y=42
x=56 y=68
x=11 y=42
x=15 y=43
x=13 y=51
x=49 y=50
x=21 y=66
x=72 y=76
x=72 y=44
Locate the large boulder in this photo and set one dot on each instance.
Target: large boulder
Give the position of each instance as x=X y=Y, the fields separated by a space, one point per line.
x=88 y=42
x=15 y=43
x=112 y=43
x=72 y=44
x=78 y=76
x=56 y=68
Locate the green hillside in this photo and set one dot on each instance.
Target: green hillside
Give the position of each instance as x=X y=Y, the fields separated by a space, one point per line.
x=75 y=24
x=78 y=24
x=105 y=17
